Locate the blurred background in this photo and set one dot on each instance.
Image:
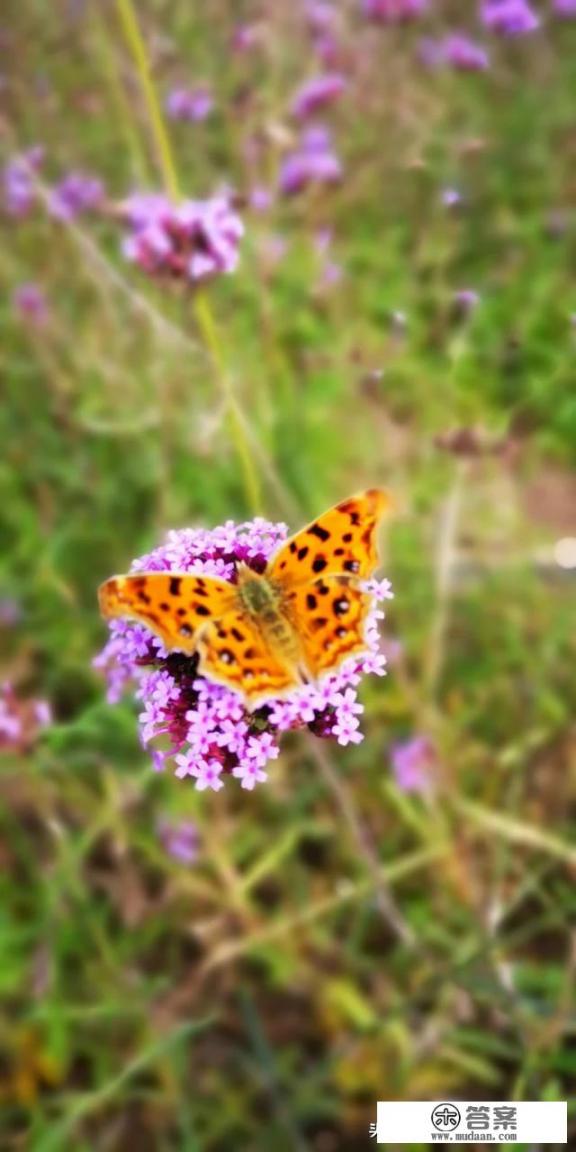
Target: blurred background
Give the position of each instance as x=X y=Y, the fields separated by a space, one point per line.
x=387 y=920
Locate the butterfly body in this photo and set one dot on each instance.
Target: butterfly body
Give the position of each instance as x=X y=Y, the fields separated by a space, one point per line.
x=268 y=632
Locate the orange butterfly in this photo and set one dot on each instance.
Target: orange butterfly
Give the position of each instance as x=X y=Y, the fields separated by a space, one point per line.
x=268 y=633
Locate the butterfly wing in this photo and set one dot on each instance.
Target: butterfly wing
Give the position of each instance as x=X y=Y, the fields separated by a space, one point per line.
x=176 y=606
x=235 y=653
x=330 y=618
x=341 y=542
x=318 y=572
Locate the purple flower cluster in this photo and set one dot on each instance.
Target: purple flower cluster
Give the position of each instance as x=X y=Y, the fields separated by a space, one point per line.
x=202 y=726
x=509 y=17
x=564 y=8
x=413 y=764
x=393 y=11
x=193 y=240
x=193 y=105
x=318 y=93
x=456 y=50
x=20 y=719
x=19 y=179
x=313 y=162
x=30 y=303
x=78 y=192
x=179 y=839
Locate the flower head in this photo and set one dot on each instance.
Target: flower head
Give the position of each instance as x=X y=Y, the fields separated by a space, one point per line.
x=180 y=839
x=77 y=193
x=193 y=240
x=30 y=303
x=393 y=11
x=202 y=727
x=413 y=764
x=564 y=8
x=457 y=50
x=509 y=17
x=313 y=162
x=18 y=179
x=191 y=104
x=317 y=93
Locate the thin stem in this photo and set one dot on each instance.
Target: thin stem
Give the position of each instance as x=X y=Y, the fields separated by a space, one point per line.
x=445 y=566
x=139 y=54
x=359 y=834
x=204 y=316
x=209 y=331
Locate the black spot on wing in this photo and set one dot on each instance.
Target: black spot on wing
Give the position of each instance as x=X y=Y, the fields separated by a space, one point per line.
x=311 y=601
x=351 y=566
x=319 y=564
x=317 y=530
x=347 y=537
x=303 y=552
x=318 y=623
x=175 y=582
x=200 y=609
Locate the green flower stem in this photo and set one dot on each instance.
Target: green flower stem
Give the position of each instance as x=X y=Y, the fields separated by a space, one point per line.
x=204 y=316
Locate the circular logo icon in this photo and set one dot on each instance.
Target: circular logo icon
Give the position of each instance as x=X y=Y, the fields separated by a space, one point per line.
x=446 y=1117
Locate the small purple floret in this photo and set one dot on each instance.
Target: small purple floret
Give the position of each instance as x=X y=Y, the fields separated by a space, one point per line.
x=318 y=93
x=77 y=193
x=509 y=17
x=202 y=729
x=18 y=180
x=193 y=240
x=313 y=162
x=193 y=105
x=393 y=11
x=413 y=764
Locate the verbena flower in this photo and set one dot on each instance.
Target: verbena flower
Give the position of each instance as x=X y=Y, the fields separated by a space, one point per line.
x=200 y=727
x=318 y=93
x=179 y=839
x=18 y=181
x=393 y=11
x=30 y=303
x=313 y=162
x=192 y=240
x=466 y=300
x=509 y=17
x=78 y=192
x=193 y=105
x=413 y=764
x=21 y=719
x=456 y=50
x=565 y=8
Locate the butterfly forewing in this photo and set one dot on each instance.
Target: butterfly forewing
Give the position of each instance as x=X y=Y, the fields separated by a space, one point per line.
x=342 y=541
x=177 y=606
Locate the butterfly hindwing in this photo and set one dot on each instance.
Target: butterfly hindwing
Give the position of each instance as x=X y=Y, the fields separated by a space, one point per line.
x=331 y=615
x=176 y=606
x=234 y=652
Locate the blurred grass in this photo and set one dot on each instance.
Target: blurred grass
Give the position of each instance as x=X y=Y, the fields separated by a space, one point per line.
x=259 y=998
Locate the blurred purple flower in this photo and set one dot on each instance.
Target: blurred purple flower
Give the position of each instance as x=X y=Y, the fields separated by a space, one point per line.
x=193 y=105
x=564 y=8
x=413 y=763
x=193 y=240
x=393 y=11
x=260 y=198
x=319 y=15
x=466 y=299
x=10 y=612
x=457 y=50
x=245 y=37
x=77 y=193
x=318 y=93
x=509 y=17
x=30 y=302
x=21 y=718
x=179 y=839
x=18 y=181
x=450 y=197
x=313 y=162
x=206 y=731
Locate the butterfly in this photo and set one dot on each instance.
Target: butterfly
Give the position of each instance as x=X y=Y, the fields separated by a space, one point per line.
x=268 y=632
